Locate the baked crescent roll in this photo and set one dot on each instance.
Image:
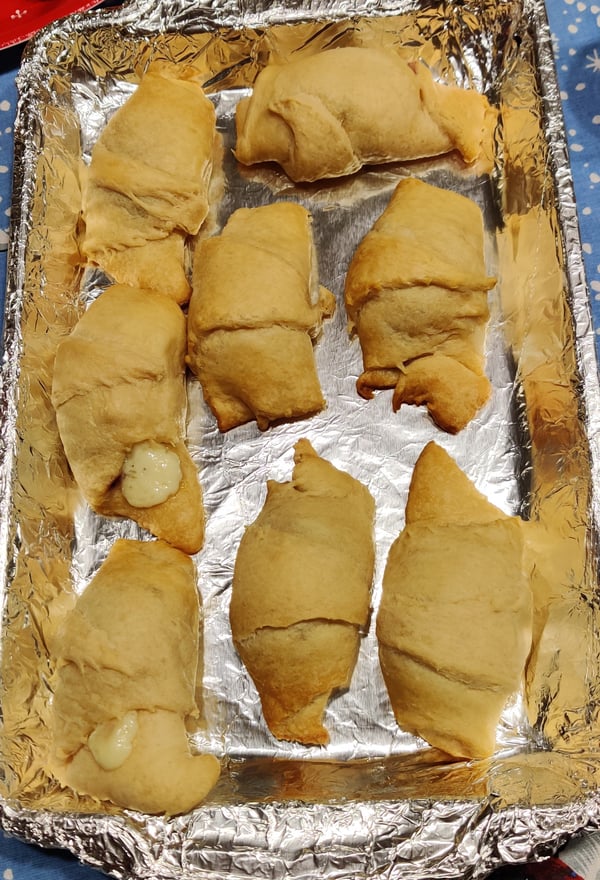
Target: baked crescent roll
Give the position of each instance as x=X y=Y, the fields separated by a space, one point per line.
x=255 y=311
x=119 y=394
x=301 y=593
x=455 y=621
x=125 y=684
x=147 y=185
x=328 y=114
x=416 y=296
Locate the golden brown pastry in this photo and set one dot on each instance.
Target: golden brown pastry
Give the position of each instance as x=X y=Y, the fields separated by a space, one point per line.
x=416 y=296
x=455 y=620
x=125 y=684
x=301 y=593
x=328 y=114
x=255 y=311
x=119 y=394
x=147 y=186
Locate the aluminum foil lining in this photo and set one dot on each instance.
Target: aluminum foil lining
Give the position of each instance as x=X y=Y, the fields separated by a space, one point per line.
x=376 y=802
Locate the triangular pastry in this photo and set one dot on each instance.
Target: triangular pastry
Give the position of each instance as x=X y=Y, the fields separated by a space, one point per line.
x=120 y=399
x=327 y=114
x=125 y=684
x=255 y=312
x=455 y=621
x=301 y=593
x=147 y=186
x=416 y=297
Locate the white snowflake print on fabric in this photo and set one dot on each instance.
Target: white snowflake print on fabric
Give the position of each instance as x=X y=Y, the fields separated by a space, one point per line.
x=8 y=104
x=575 y=30
x=593 y=61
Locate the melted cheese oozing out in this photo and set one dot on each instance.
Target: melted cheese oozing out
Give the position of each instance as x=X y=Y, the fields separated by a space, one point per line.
x=111 y=742
x=151 y=474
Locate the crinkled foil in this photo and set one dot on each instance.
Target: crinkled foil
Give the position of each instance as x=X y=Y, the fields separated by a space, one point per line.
x=376 y=802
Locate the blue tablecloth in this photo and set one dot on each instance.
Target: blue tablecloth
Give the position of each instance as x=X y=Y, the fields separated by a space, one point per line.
x=8 y=100
x=575 y=27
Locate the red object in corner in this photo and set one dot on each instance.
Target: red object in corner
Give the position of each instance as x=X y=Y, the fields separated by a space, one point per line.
x=20 y=19
x=551 y=869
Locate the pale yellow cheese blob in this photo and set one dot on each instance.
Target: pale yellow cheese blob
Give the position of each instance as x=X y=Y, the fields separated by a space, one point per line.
x=151 y=474
x=111 y=742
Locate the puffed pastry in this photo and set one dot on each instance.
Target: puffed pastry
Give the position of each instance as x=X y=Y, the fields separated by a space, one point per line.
x=455 y=621
x=120 y=399
x=255 y=312
x=328 y=114
x=147 y=187
x=125 y=684
x=416 y=297
x=301 y=593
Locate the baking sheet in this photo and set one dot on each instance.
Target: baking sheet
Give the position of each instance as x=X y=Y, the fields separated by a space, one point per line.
x=376 y=802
